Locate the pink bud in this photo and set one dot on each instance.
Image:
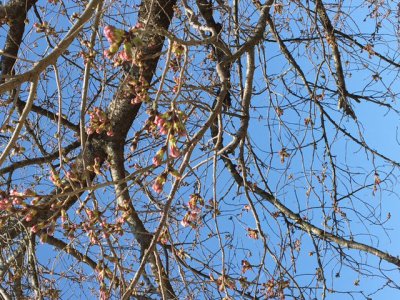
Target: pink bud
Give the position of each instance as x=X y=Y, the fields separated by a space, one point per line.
x=139 y=26
x=164 y=130
x=174 y=151
x=159 y=121
x=89 y=131
x=123 y=55
x=17 y=201
x=185 y=222
x=109 y=33
x=156 y=161
x=34 y=229
x=157 y=187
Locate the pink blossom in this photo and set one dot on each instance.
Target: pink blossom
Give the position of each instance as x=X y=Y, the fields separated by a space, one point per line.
x=4 y=204
x=139 y=26
x=15 y=193
x=174 y=151
x=163 y=130
x=34 y=229
x=185 y=222
x=109 y=33
x=196 y=210
x=193 y=216
x=123 y=55
x=90 y=214
x=156 y=160
x=157 y=187
x=107 y=53
x=17 y=201
x=93 y=240
x=159 y=121
x=89 y=131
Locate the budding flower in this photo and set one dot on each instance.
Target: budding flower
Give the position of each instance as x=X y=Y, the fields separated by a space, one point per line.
x=125 y=56
x=185 y=222
x=159 y=183
x=138 y=26
x=159 y=121
x=157 y=187
x=109 y=33
x=34 y=228
x=173 y=149
x=107 y=53
x=159 y=157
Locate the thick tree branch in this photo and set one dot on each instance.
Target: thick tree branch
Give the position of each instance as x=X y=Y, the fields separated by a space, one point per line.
x=331 y=39
x=53 y=56
x=15 y=12
x=39 y=160
x=71 y=251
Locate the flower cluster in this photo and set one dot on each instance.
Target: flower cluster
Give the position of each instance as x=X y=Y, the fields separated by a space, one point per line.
x=45 y=230
x=175 y=63
x=117 y=37
x=9 y=202
x=246 y=266
x=170 y=124
x=192 y=217
x=55 y=179
x=157 y=159
x=95 y=168
x=223 y=282
x=99 y=122
x=139 y=90
x=44 y=28
x=164 y=236
x=158 y=184
x=131 y=56
x=73 y=174
x=274 y=289
x=253 y=233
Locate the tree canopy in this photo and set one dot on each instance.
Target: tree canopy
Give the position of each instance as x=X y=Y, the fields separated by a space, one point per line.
x=199 y=149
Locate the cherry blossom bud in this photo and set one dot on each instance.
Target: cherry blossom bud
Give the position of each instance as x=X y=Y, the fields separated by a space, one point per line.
x=159 y=121
x=157 y=187
x=156 y=161
x=139 y=26
x=159 y=157
x=90 y=130
x=174 y=151
x=185 y=222
x=109 y=33
x=34 y=229
x=123 y=55
x=164 y=130
x=17 y=201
